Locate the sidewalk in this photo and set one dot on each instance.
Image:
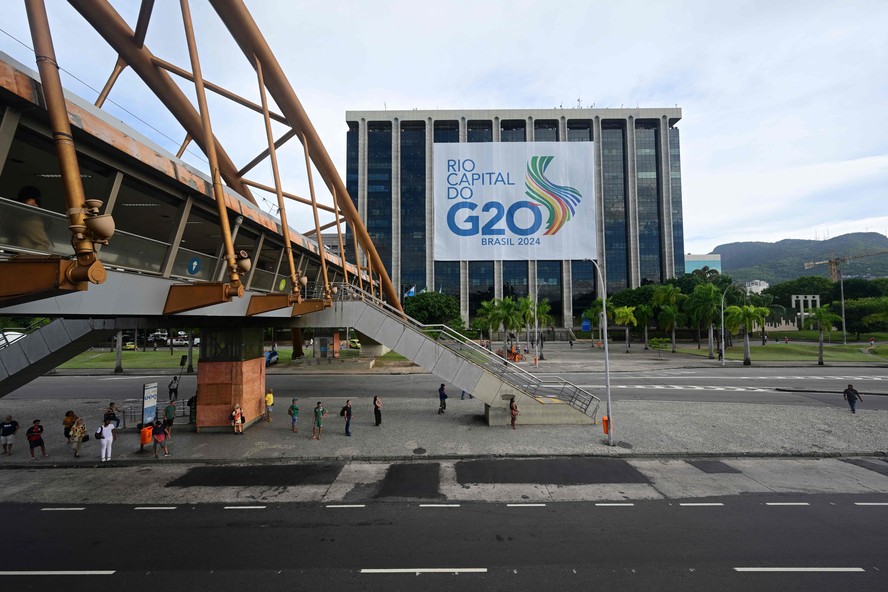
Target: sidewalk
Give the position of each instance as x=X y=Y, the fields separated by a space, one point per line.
x=413 y=430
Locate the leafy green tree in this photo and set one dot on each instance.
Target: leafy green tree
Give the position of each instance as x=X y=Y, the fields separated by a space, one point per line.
x=669 y=298
x=487 y=318
x=746 y=316
x=778 y=312
x=633 y=296
x=623 y=316
x=510 y=318
x=863 y=314
x=704 y=304
x=644 y=313
x=855 y=288
x=527 y=314
x=433 y=308
x=593 y=313
x=821 y=319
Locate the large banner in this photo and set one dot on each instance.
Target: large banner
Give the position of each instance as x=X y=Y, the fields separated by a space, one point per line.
x=514 y=201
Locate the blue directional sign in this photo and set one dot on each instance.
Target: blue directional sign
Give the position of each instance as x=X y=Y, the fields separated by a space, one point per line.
x=194 y=266
x=587 y=325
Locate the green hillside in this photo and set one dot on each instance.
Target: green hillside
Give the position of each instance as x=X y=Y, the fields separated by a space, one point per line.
x=785 y=260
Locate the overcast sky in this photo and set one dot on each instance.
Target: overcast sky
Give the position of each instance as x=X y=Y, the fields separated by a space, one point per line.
x=784 y=131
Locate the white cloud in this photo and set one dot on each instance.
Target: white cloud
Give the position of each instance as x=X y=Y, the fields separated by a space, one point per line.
x=783 y=131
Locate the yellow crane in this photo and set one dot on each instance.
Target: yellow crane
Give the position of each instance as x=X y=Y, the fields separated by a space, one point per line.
x=836 y=261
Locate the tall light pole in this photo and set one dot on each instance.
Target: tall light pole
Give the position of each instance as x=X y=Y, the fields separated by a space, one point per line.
x=607 y=382
x=536 y=325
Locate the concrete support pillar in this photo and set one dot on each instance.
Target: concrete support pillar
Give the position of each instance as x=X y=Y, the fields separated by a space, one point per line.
x=497 y=279
x=632 y=205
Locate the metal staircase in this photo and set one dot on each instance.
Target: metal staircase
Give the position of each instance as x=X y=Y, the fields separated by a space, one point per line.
x=448 y=354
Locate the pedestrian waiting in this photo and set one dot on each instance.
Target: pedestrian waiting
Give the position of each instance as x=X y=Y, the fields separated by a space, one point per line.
x=35 y=438
x=851 y=395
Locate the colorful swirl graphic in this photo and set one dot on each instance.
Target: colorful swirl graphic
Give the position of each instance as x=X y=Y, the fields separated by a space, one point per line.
x=559 y=200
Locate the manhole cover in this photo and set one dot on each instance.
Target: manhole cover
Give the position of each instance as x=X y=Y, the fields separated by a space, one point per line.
x=419 y=451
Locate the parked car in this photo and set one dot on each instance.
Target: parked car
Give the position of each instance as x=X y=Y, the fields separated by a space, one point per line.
x=354 y=343
x=129 y=346
x=271 y=357
x=179 y=342
x=196 y=341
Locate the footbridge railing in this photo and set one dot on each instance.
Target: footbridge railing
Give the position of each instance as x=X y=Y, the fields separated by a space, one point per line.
x=510 y=373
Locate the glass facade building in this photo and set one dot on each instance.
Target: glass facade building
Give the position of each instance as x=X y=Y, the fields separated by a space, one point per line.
x=639 y=226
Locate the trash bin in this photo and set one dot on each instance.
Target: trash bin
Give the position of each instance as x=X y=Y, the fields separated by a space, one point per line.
x=146 y=435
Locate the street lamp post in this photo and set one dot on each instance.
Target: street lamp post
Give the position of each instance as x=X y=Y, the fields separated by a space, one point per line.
x=607 y=384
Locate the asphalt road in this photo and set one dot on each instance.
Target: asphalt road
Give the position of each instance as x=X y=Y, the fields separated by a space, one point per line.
x=789 y=386
x=827 y=543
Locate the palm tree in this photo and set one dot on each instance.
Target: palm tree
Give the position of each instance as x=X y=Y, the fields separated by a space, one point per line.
x=746 y=316
x=669 y=318
x=778 y=312
x=704 y=304
x=593 y=313
x=664 y=296
x=821 y=318
x=643 y=314
x=509 y=316
x=526 y=312
x=543 y=317
x=623 y=315
x=488 y=317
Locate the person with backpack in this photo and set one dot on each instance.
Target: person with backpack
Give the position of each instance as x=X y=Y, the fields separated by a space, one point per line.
x=293 y=412
x=173 y=388
x=35 y=438
x=105 y=436
x=346 y=413
x=111 y=415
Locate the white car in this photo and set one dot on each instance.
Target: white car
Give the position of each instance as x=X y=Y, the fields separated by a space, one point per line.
x=8 y=337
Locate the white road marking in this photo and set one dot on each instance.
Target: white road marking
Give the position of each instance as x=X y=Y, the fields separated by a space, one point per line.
x=871 y=503
x=155 y=508
x=787 y=504
x=345 y=506
x=699 y=504
x=438 y=505
x=614 y=505
x=244 y=508
x=59 y=573
x=801 y=569
x=61 y=509
x=419 y=570
x=525 y=505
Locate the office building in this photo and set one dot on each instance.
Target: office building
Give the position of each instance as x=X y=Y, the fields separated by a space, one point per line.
x=637 y=193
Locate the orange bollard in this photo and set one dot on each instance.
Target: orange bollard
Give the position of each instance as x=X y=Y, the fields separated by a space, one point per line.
x=605 y=423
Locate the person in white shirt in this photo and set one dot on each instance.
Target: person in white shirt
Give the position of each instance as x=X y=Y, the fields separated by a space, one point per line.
x=105 y=436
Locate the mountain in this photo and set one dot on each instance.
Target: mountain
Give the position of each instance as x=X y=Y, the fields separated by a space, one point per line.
x=785 y=260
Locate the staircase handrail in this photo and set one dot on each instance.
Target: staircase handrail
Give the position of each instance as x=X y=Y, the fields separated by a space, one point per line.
x=521 y=378
x=35 y=324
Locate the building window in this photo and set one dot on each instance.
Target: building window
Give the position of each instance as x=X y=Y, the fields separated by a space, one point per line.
x=675 y=185
x=616 y=228
x=583 y=278
x=549 y=282
x=413 y=182
x=447 y=277
x=352 y=174
x=446 y=132
x=579 y=130
x=513 y=130
x=545 y=130
x=648 y=187
x=479 y=131
x=379 y=189
x=480 y=284
x=515 y=279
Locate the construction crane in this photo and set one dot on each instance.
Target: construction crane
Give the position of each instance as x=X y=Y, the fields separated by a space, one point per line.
x=836 y=261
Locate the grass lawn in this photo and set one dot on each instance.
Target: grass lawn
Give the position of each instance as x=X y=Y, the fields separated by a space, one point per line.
x=799 y=352
x=98 y=359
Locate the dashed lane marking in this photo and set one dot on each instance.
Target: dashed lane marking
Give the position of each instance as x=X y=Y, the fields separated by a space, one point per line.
x=420 y=570
x=800 y=569
x=615 y=505
x=61 y=509
x=525 y=505
x=438 y=505
x=59 y=573
x=244 y=508
x=345 y=506
x=701 y=504
x=155 y=508
x=871 y=503
x=787 y=504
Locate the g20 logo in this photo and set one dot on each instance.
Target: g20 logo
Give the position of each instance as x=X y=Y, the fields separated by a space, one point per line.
x=463 y=222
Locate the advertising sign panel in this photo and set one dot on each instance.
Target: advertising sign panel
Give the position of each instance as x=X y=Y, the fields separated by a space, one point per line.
x=149 y=403
x=514 y=201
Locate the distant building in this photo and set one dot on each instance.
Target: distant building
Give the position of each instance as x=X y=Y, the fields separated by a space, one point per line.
x=756 y=286
x=694 y=262
x=391 y=176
